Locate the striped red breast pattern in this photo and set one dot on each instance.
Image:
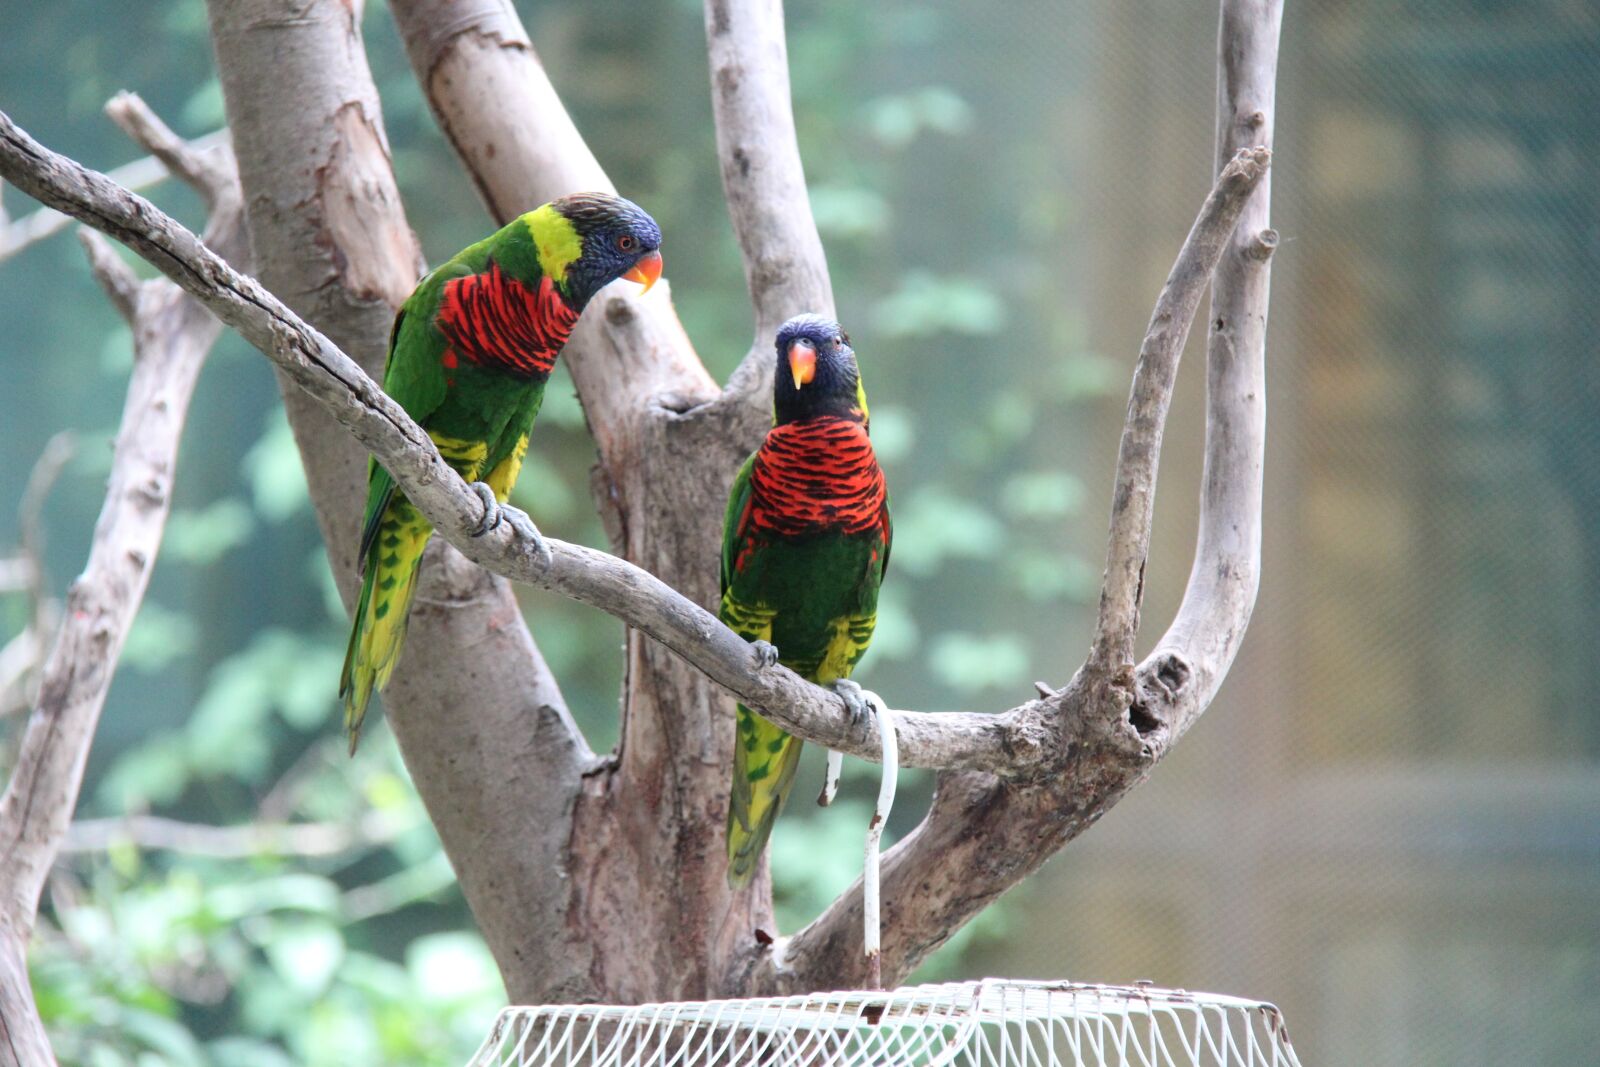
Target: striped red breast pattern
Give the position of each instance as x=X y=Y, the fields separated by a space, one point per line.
x=494 y=320
x=816 y=474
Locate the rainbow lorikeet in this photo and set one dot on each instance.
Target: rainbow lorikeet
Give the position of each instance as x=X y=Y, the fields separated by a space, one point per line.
x=469 y=355
x=804 y=549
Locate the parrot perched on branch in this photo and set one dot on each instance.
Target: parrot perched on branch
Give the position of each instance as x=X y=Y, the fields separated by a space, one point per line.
x=804 y=547
x=469 y=356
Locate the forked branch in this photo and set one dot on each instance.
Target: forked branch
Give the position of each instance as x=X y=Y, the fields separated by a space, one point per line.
x=172 y=334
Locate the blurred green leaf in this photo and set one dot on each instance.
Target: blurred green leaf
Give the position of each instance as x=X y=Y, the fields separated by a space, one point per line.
x=158 y=637
x=894 y=432
x=1087 y=376
x=306 y=955
x=247 y=1052
x=202 y=537
x=970 y=662
x=1048 y=575
x=934 y=524
x=204 y=110
x=541 y=490
x=156 y=772
x=848 y=211
x=116 y=352
x=164 y=1036
x=288 y=892
x=273 y=469
x=896 y=634
x=1041 y=495
x=897 y=120
x=452 y=966
x=927 y=305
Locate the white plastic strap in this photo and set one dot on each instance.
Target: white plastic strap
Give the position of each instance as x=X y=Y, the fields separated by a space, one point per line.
x=830 y=781
x=880 y=815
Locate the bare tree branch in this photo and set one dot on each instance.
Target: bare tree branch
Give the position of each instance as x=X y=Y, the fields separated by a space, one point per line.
x=234 y=842
x=116 y=278
x=23 y=655
x=18 y=233
x=1221 y=592
x=983 y=834
x=1133 y=499
x=763 y=178
x=208 y=170
x=172 y=334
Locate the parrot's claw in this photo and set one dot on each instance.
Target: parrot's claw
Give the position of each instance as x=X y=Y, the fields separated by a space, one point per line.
x=492 y=515
x=495 y=513
x=855 y=699
x=766 y=654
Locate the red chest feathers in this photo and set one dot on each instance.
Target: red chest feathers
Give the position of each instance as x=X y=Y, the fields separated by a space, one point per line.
x=494 y=320
x=816 y=475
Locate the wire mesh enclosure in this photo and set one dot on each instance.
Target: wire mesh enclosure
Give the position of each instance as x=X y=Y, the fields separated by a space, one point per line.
x=969 y=1024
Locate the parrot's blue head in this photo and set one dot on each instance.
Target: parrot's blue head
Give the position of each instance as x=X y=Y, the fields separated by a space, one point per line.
x=620 y=240
x=817 y=372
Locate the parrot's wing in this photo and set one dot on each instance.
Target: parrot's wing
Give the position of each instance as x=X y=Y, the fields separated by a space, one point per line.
x=413 y=376
x=735 y=524
x=887 y=525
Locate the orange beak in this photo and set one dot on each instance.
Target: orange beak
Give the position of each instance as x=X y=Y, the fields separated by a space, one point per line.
x=647 y=271
x=802 y=361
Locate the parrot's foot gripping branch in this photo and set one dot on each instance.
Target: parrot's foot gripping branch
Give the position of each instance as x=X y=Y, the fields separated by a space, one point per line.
x=856 y=701
x=495 y=513
x=766 y=654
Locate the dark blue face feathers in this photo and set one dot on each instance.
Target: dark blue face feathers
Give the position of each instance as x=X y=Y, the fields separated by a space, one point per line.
x=616 y=235
x=816 y=370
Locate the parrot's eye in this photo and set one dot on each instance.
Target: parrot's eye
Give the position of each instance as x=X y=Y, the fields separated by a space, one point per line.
x=842 y=339
x=628 y=243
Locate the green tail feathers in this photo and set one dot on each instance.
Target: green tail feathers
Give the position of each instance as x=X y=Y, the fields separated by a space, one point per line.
x=379 y=628
x=764 y=763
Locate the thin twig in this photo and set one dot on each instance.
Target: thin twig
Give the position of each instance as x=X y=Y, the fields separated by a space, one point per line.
x=155 y=833
x=23 y=655
x=116 y=278
x=18 y=233
x=1133 y=498
x=203 y=169
x=763 y=179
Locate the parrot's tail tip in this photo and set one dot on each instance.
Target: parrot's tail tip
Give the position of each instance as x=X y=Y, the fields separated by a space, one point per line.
x=742 y=866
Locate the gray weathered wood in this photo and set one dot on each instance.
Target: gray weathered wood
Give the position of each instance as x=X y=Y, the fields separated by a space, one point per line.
x=172 y=334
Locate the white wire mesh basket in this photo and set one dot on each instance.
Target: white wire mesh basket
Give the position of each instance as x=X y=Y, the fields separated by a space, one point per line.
x=992 y=1023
